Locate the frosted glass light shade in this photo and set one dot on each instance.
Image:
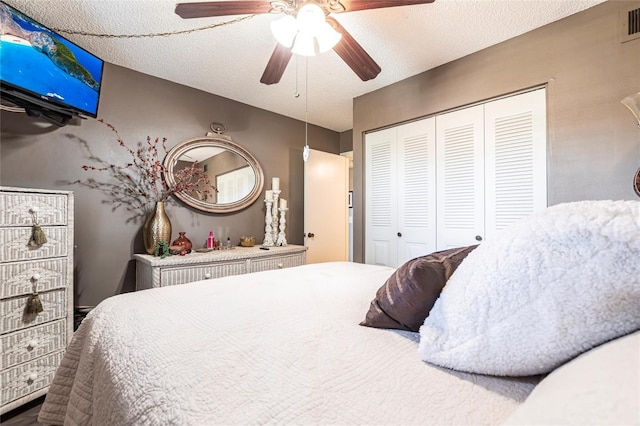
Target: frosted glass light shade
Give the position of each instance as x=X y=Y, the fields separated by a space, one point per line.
x=327 y=37
x=305 y=44
x=310 y=17
x=285 y=30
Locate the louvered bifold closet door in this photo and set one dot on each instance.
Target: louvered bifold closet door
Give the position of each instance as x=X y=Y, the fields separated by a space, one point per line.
x=381 y=206
x=416 y=229
x=515 y=159
x=460 y=177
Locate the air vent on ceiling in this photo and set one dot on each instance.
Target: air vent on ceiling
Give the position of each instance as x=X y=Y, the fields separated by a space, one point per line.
x=630 y=23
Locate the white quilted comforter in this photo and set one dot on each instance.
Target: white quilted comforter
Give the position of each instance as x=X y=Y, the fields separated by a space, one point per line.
x=275 y=347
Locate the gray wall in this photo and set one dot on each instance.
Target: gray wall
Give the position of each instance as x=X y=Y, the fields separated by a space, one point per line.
x=593 y=143
x=38 y=155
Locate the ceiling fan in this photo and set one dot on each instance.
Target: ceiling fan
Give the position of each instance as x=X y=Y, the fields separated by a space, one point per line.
x=297 y=10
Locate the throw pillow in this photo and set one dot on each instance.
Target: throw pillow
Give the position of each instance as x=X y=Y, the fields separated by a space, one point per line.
x=406 y=298
x=541 y=292
x=600 y=387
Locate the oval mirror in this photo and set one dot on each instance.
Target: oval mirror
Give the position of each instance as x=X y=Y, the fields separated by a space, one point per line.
x=233 y=170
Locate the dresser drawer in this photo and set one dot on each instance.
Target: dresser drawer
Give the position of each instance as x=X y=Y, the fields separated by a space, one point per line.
x=187 y=274
x=27 y=378
x=278 y=262
x=22 y=277
x=15 y=243
x=15 y=209
x=31 y=343
x=12 y=311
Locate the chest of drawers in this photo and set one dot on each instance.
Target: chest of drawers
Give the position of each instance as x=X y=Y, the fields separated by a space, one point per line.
x=155 y=272
x=32 y=344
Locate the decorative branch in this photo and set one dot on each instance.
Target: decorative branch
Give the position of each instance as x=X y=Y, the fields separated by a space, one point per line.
x=139 y=184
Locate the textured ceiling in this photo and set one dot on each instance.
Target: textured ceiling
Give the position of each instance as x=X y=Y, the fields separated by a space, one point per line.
x=228 y=60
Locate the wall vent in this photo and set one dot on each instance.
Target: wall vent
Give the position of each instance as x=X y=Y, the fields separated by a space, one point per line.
x=630 y=23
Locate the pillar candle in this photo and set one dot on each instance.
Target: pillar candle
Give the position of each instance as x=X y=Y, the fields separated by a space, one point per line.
x=268 y=195
x=283 y=203
x=275 y=184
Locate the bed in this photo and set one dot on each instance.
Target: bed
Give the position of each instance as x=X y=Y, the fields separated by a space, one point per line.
x=287 y=347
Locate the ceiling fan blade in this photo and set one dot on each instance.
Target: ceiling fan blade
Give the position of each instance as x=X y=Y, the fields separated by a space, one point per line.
x=352 y=5
x=222 y=8
x=276 y=65
x=354 y=55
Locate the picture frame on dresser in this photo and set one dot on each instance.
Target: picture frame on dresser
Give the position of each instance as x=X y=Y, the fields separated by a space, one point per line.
x=33 y=344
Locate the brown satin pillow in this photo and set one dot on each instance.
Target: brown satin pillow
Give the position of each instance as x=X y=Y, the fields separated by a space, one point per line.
x=405 y=299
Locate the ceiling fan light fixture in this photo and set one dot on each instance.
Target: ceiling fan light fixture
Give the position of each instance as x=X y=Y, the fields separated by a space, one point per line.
x=327 y=37
x=307 y=34
x=310 y=17
x=305 y=44
x=285 y=30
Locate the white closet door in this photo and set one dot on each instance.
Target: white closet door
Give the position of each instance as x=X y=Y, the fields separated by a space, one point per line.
x=416 y=228
x=515 y=152
x=381 y=198
x=460 y=185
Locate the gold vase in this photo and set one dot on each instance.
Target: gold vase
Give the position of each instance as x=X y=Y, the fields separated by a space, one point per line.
x=157 y=227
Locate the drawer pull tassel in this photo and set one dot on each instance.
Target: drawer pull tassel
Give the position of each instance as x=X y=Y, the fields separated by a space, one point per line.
x=37 y=234
x=34 y=305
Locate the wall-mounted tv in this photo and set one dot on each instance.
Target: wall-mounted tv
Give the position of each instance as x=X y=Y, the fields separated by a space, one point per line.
x=45 y=73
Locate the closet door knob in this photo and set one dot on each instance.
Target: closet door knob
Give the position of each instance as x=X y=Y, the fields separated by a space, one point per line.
x=478 y=238
x=399 y=234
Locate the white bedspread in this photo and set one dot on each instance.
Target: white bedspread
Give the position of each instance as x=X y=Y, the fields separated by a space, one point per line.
x=273 y=347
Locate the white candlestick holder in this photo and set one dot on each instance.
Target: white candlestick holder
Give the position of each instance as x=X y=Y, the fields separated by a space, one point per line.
x=282 y=239
x=274 y=215
x=268 y=229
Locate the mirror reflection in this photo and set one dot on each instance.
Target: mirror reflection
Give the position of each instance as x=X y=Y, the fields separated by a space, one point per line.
x=231 y=169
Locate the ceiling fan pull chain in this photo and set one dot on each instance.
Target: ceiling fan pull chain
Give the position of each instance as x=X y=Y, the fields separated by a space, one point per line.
x=297 y=93
x=305 y=151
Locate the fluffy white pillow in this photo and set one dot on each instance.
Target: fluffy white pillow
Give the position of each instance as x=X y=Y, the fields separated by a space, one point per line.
x=600 y=387
x=543 y=291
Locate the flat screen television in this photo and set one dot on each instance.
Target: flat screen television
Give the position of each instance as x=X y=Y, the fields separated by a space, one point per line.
x=45 y=73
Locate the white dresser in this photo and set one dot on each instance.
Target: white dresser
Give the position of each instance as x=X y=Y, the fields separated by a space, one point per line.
x=32 y=345
x=156 y=272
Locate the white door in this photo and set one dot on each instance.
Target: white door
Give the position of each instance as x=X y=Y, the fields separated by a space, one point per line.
x=380 y=202
x=460 y=179
x=400 y=175
x=416 y=189
x=326 y=191
x=515 y=159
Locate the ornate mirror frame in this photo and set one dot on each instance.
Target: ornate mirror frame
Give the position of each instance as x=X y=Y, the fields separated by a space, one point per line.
x=218 y=141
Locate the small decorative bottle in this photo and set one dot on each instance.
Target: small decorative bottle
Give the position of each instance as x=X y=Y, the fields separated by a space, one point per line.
x=228 y=243
x=211 y=241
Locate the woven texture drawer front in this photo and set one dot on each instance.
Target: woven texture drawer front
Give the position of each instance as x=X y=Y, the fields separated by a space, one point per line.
x=279 y=262
x=15 y=209
x=12 y=311
x=29 y=344
x=22 y=277
x=182 y=275
x=28 y=378
x=15 y=244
